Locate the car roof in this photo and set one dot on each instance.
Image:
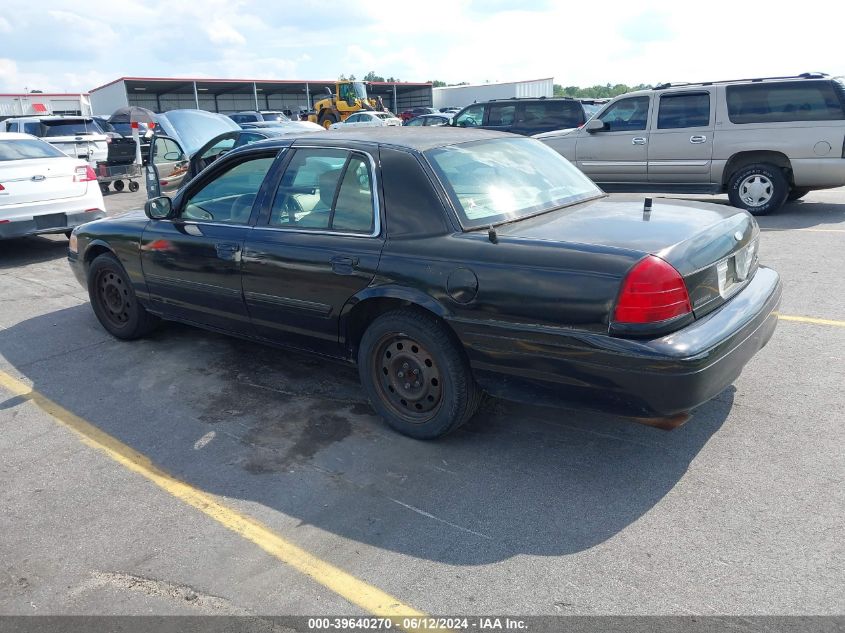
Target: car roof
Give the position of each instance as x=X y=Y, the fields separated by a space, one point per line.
x=414 y=138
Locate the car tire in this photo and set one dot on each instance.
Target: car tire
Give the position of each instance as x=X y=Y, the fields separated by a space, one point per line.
x=759 y=188
x=796 y=193
x=327 y=119
x=416 y=375
x=114 y=302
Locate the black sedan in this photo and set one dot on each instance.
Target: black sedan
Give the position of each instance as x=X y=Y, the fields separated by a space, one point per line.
x=445 y=263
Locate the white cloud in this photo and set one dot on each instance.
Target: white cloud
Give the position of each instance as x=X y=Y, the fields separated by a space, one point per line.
x=220 y=32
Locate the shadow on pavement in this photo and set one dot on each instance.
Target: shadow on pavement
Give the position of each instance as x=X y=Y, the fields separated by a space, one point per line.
x=294 y=433
x=32 y=250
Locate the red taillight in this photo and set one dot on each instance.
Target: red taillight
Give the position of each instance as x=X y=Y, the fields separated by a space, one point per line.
x=84 y=174
x=2 y=187
x=653 y=291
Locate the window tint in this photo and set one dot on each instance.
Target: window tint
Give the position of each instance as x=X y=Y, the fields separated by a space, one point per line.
x=786 y=101
x=471 y=117
x=553 y=114
x=223 y=146
x=248 y=137
x=501 y=114
x=325 y=189
x=32 y=127
x=416 y=121
x=626 y=114
x=684 y=110
x=230 y=196
x=436 y=120
x=70 y=128
x=19 y=149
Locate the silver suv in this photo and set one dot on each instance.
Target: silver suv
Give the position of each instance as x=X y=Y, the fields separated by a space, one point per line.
x=763 y=141
x=76 y=136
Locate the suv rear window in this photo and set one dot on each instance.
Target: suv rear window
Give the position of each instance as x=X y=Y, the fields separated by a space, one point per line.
x=70 y=128
x=553 y=114
x=786 y=101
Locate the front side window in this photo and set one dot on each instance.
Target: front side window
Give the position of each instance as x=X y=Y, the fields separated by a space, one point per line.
x=436 y=120
x=230 y=196
x=473 y=116
x=626 y=115
x=416 y=121
x=325 y=189
x=684 y=110
x=501 y=180
x=167 y=151
x=784 y=101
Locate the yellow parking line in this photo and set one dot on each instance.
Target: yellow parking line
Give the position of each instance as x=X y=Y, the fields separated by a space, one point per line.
x=354 y=590
x=801 y=319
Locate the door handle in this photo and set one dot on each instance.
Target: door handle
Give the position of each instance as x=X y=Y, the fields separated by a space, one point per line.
x=697 y=139
x=638 y=140
x=343 y=264
x=229 y=251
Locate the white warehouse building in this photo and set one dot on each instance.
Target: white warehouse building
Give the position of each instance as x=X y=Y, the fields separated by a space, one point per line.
x=460 y=96
x=35 y=103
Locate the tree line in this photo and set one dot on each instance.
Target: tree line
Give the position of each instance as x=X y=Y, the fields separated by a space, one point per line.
x=598 y=91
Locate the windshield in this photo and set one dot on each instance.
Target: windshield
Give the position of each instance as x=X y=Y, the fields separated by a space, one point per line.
x=501 y=180
x=274 y=116
x=70 y=128
x=360 y=89
x=194 y=128
x=21 y=149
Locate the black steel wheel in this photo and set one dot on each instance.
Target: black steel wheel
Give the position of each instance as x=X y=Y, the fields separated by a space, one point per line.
x=416 y=374
x=113 y=299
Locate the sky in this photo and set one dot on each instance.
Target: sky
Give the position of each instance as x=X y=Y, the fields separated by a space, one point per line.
x=76 y=46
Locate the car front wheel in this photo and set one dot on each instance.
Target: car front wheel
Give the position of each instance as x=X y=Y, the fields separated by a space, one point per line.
x=759 y=189
x=415 y=375
x=114 y=301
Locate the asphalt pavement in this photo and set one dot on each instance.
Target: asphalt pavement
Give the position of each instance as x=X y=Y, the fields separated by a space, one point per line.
x=191 y=473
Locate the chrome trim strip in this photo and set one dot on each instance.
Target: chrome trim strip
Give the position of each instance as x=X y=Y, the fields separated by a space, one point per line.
x=286 y=302
x=614 y=163
x=193 y=285
x=678 y=163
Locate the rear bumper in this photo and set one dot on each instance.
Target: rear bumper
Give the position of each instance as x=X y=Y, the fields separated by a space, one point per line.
x=659 y=377
x=63 y=222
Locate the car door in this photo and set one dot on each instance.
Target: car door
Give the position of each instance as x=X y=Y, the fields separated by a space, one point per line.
x=618 y=152
x=317 y=243
x=166 y=168
x=192 y=262
x=680 y=145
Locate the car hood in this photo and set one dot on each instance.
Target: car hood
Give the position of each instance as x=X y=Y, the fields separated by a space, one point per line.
x=689 y=235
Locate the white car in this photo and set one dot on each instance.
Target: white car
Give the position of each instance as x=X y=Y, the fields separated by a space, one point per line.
x=368 y=118
x=76 y=136
x=42 y=190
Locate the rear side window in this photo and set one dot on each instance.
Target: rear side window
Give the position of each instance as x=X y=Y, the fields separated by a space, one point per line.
x=501 y=114
x=553 y=114
x=684 y=110
x=786 y=101
x=21 y=149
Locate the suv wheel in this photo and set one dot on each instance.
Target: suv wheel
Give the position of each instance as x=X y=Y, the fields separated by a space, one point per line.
x=759 y=188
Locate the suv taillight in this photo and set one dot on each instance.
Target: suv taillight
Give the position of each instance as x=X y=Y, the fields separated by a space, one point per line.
x=652 y=291
x=84 y=174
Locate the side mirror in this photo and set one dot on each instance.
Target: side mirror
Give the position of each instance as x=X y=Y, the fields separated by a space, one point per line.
x=160 y=208
x=595 y=125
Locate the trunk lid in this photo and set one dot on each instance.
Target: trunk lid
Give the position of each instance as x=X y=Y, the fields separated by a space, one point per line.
x=39 y=180
x=712 y=246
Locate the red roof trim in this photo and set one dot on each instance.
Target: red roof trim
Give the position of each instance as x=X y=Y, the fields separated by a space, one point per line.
x=213 y=80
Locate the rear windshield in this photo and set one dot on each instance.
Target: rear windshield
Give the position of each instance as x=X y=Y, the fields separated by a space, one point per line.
x=275 y=116
x=21 y=149
x=70 y=128
x=501 y=180
x=784 y=101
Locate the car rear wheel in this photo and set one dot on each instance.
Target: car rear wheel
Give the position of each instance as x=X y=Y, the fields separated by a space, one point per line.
x=415 y=375
x=759 y=188
x=114 y=301
x=797 y=193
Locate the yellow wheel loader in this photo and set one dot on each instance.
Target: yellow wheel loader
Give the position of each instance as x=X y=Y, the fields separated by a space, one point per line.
x=349 y=97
